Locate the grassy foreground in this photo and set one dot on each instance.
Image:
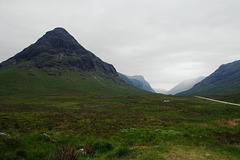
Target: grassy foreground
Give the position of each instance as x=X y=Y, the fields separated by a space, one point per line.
x=118 y=127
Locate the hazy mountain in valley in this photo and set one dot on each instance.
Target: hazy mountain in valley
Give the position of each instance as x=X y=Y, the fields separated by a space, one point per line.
x=137 y=81
x=185 y=85
x=162 y=91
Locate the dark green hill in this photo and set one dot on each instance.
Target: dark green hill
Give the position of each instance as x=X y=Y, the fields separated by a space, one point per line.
x=58 y=64
x=225 y=80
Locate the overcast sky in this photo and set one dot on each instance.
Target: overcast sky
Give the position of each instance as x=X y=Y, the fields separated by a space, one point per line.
x=166 y=41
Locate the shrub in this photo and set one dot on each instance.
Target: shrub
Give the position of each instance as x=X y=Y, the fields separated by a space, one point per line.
x=10 y=156
x=89 y=150
x=122 y=151
x=43 y=138
x=12 y=142
x=66 y=153
x=102 y=146
x=22 y=154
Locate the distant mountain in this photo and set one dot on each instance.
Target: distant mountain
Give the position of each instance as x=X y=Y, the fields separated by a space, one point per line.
x=58 y=64
x=137 y=81
x=162 y=91
x=185 y=85
x=225 y=80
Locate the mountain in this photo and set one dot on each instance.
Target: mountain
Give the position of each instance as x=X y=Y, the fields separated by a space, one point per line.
x=225 y=80
x=162 y=91
x=58 y=64
x=137 y=81
x=184 y=85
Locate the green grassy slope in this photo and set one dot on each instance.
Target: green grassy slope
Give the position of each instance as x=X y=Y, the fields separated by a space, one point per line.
x=19 y=81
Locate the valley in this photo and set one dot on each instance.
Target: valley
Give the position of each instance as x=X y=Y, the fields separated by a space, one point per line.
x=59 y=101
x=120 y=80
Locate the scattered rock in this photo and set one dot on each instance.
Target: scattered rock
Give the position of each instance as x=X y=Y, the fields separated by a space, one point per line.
x=4 y=134
x=53 y=140
x=99 y=97
x=81 y=151
x=166 y=101
x=45 y=134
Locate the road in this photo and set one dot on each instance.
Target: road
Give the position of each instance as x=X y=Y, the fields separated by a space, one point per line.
x=209 y=99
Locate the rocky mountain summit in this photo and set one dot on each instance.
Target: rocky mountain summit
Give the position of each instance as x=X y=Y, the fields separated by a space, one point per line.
x=57 y=49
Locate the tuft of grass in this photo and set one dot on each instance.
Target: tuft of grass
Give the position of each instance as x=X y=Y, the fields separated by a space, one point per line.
x=122 y=151
x=89 y=150
x=12 y=142
x=102 y=146
x=22 y=154
x=10 y=156
x=66 y=153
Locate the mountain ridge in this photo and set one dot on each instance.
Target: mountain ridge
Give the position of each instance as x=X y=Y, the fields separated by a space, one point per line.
x=225 y=80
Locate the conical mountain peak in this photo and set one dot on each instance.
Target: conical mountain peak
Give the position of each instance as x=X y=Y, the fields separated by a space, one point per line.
x=58 y=49
x=59 y=33
x=59 y=38
x=60 y=29
x=53 y=42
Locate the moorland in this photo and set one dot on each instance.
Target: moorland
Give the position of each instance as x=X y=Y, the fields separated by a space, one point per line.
x=117 y=127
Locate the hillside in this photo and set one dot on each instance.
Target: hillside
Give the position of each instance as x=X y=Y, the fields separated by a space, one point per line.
x=58 y=64
x=137 y=81
x=225 y=80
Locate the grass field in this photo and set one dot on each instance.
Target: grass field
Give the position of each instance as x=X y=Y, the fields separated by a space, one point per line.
x=118 y=127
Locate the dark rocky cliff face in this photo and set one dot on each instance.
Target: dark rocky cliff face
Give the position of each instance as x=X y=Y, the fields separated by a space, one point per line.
x=58 y=49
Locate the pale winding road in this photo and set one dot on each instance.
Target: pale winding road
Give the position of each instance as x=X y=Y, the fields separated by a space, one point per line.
x=209 y=99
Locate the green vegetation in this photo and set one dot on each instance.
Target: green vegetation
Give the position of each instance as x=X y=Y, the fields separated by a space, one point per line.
x=234 y=98
x=117 y=127
x=20 y=81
